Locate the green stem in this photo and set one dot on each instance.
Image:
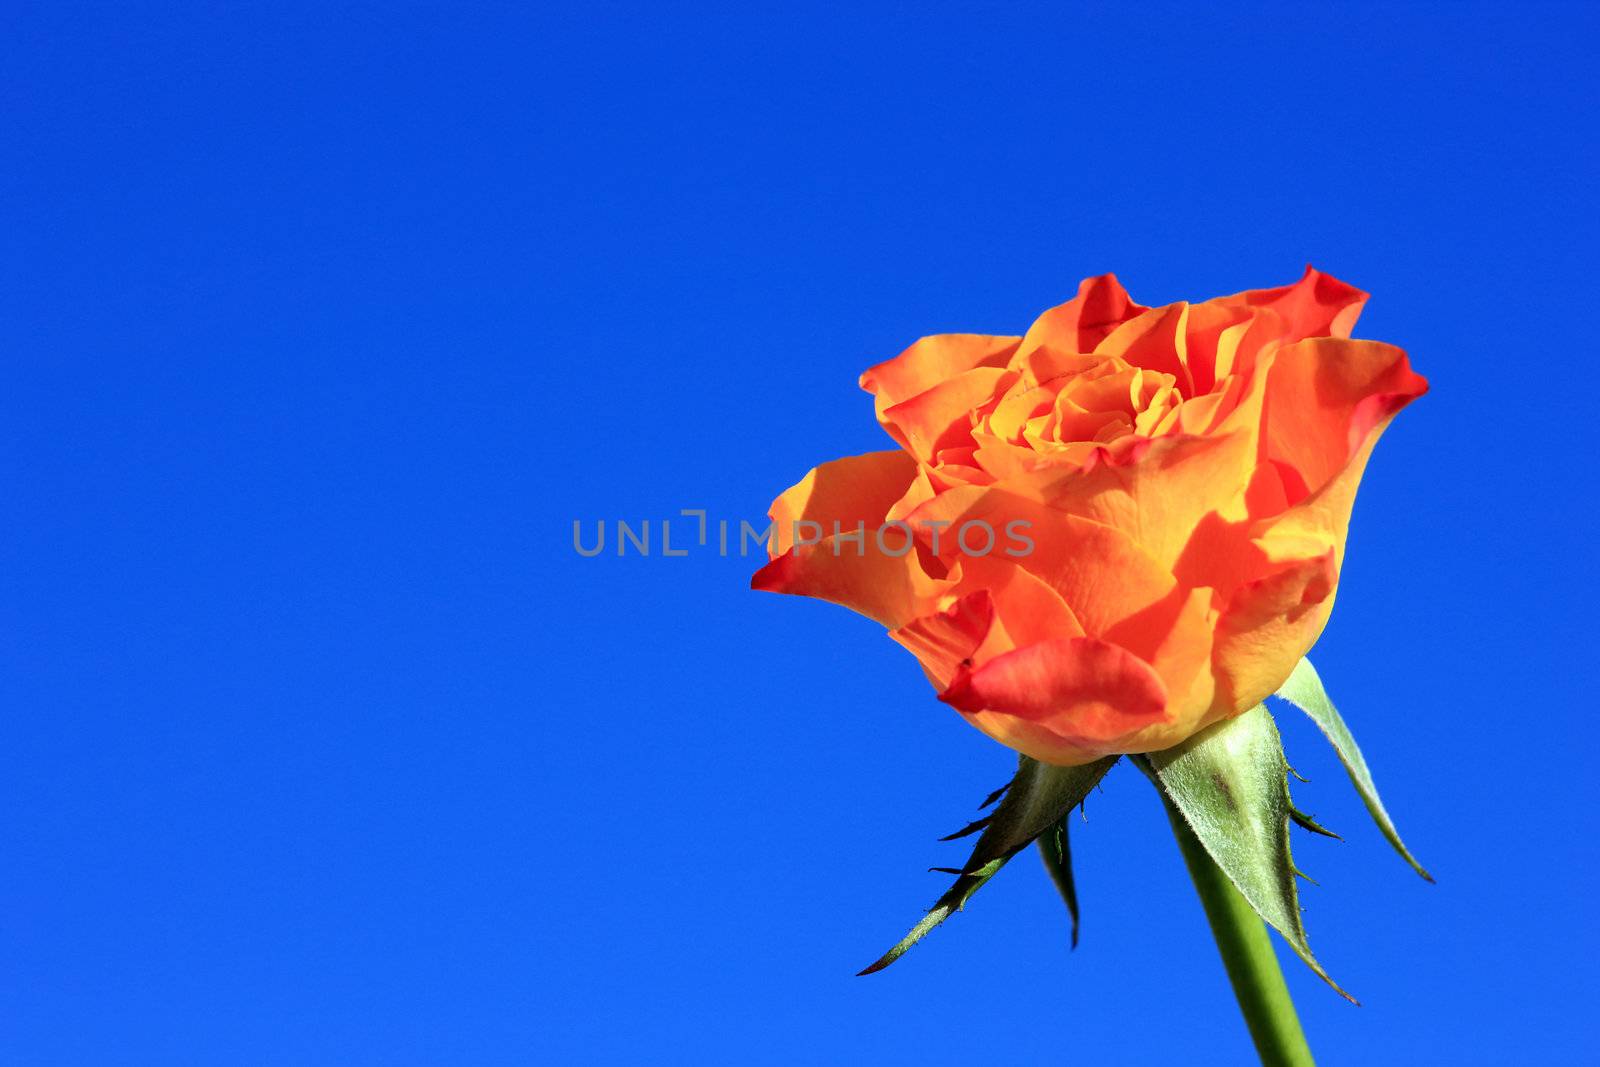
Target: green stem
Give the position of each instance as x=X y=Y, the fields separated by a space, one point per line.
x=1247 y=953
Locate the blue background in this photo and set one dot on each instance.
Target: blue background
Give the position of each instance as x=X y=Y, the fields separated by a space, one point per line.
x=319 y=742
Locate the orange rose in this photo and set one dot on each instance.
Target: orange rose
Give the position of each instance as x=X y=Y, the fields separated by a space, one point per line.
x=1111 y=532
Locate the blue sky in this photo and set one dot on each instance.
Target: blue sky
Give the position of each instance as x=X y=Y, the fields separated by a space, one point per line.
x=324 y=322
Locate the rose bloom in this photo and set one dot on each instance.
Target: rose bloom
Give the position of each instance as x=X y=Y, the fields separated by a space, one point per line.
x=1115 y=530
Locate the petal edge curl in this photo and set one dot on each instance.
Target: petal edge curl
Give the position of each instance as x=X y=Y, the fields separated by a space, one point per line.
x=1318 y=305
x=1089 y=691
x=889 y=589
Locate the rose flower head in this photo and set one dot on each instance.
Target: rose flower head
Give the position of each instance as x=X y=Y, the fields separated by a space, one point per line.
x=1115 y=530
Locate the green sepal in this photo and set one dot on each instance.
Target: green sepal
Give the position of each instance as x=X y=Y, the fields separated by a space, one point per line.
x=1040 y=796
x=969 y=829
x=1306 y=822
x=1230 y=784
x=996 y=795
x=1304 y=690
x=1056 y=852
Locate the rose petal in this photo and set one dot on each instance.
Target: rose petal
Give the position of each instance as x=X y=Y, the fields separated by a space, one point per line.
x=844 y=491
x=1155 y=340
x=1089 y=691
x=941 y=416
x=933 y=360
x=1174 y=636
x=1079 y=325
x=999 y=607
x=1214 y=336
x=1320 y=521
x=1228 y=555
x=1025 y=605
x=1325 y=396
x=945 y=640
x=1101 y=574
x=1318 y=305
x=890 y=589
x=1156 y=491
x=1268 y=625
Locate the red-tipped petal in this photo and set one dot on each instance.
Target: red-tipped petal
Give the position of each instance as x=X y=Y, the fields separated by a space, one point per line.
x=1081 y=688
x=1325 y=397
x=1102 y=304
x=1318 y=305
x=858 y=575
